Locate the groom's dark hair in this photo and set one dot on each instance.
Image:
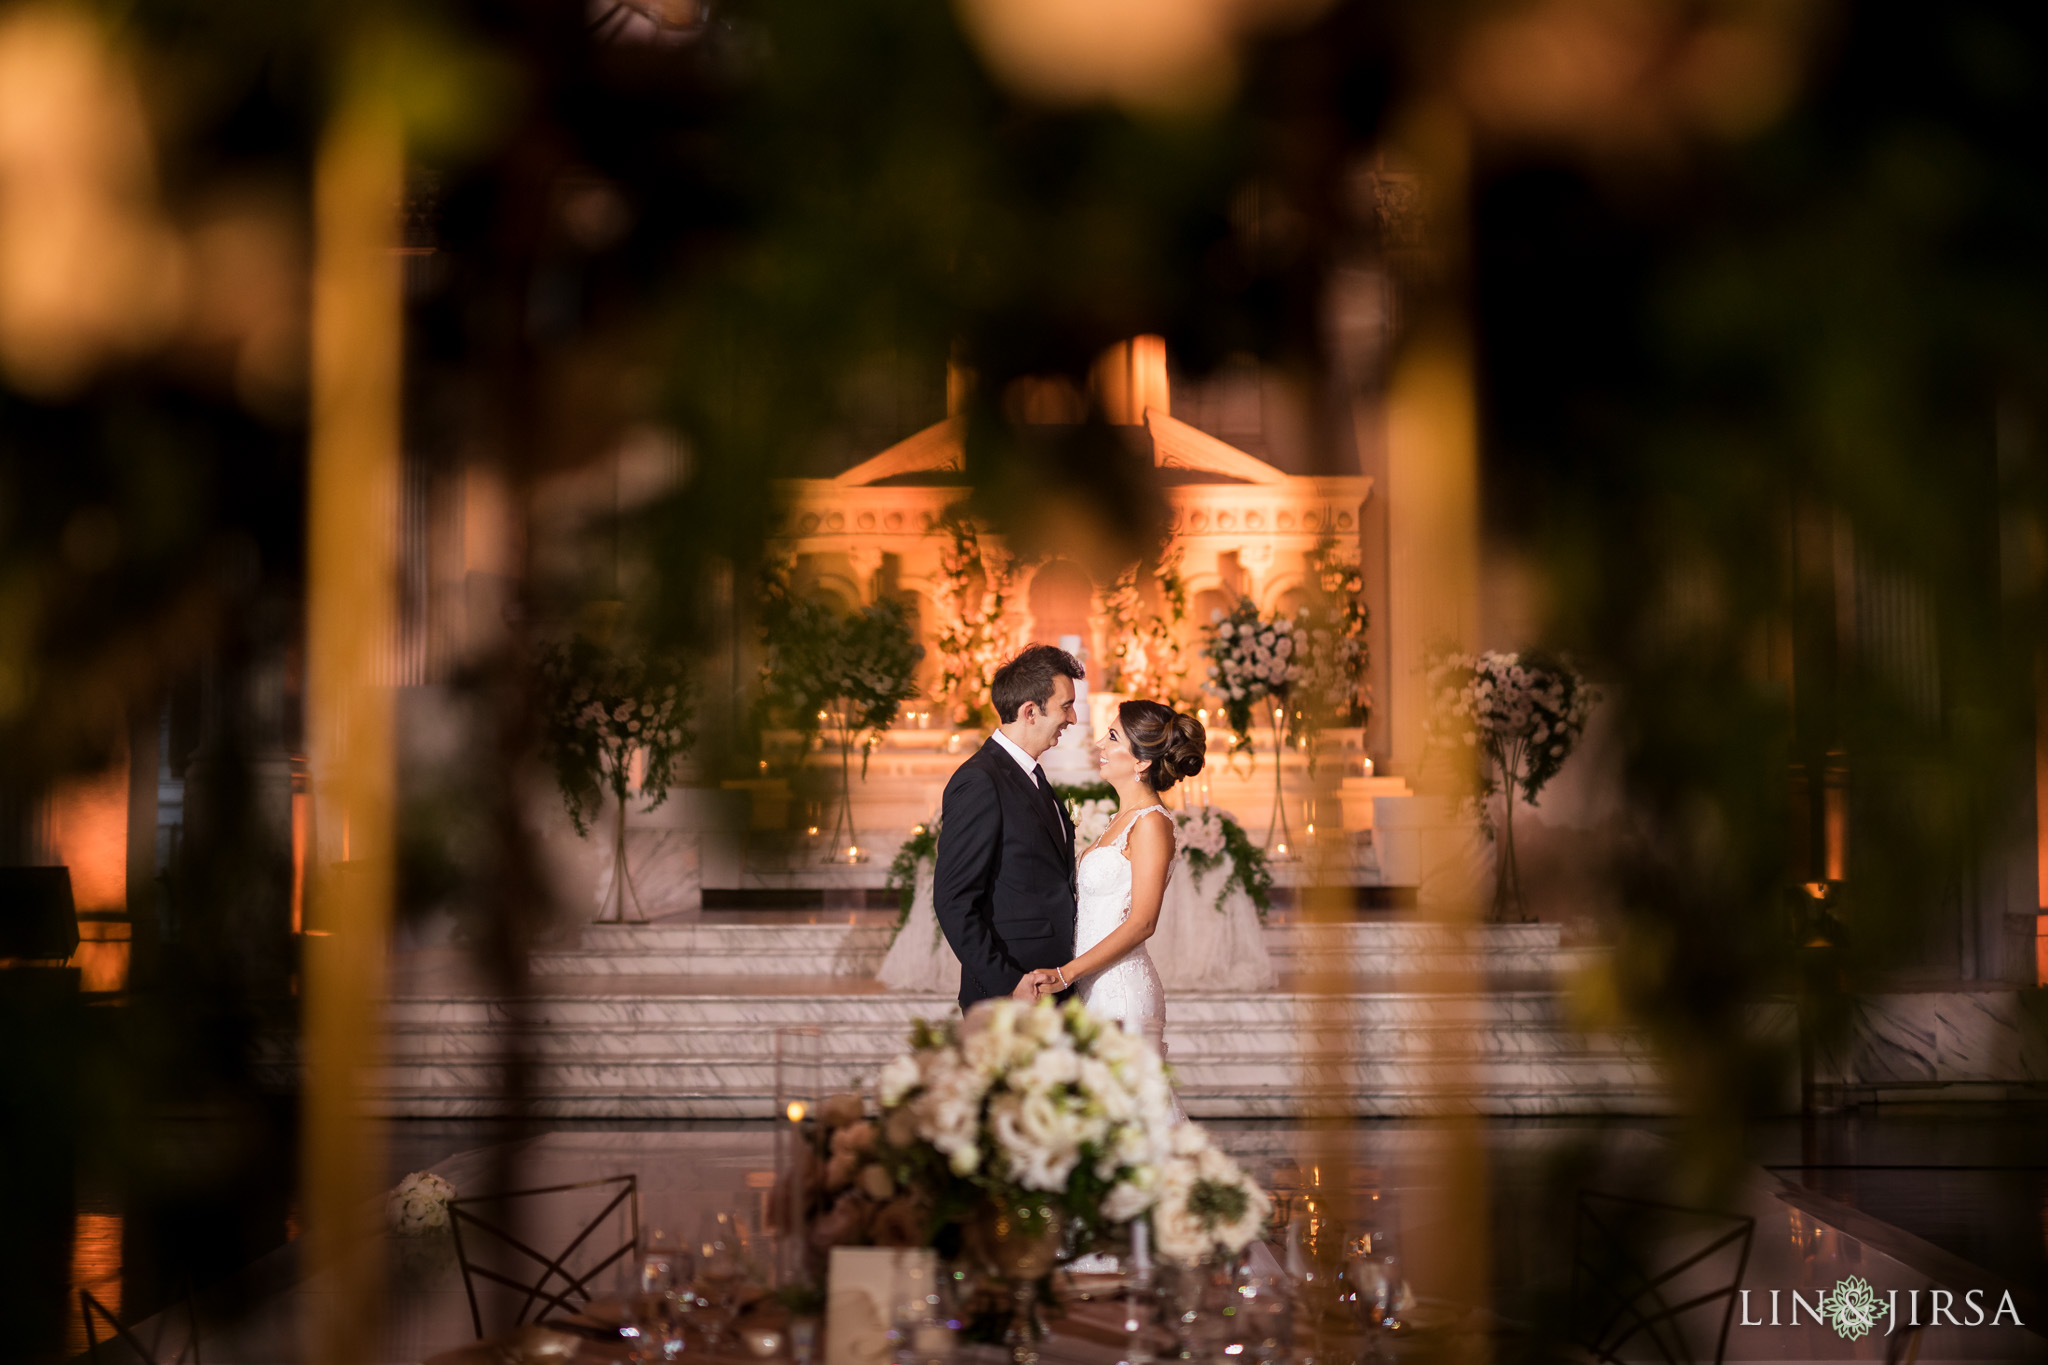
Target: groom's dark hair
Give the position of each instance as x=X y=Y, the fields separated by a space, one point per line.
x=1028 y=677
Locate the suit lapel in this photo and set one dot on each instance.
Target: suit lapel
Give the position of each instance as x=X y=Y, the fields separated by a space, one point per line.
x=1054 y=819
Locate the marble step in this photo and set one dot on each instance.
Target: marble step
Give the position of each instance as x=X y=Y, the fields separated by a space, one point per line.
x=1270 y=1104
x=1585 y=1086
x=763 y=1012
x=687 y=1075
x=1362 y=948
x=870 y=1046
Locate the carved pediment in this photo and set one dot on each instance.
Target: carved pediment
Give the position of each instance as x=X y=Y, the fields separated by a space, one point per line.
x=1175 y=445
x=936 y=449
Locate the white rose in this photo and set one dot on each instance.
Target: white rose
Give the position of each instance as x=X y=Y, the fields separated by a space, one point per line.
x=1125 y=1202
x=901 y=1076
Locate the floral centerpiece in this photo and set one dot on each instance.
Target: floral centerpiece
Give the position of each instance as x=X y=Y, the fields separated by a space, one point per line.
x=419 y=1205
x=602 y=708
x=1519 y=715
x=1024 y=1136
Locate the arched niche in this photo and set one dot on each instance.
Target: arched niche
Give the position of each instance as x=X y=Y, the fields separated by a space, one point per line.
x=1061 y=598
x=1285 y=596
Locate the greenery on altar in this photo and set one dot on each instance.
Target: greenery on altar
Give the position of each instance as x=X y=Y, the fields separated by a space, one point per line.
x=601 y=706
x=922 y=844
x=976 y=627
x=1340 y=655
x=850 y=670
x=1145 y=611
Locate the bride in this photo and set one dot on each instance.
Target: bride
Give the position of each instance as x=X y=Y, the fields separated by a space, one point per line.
x=1122 y=877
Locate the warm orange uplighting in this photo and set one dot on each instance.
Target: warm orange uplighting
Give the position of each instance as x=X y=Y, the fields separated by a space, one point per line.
x=95 y=1268
x=302 y=811
x=88 y=266
x=796 y=1111
x=89 y=835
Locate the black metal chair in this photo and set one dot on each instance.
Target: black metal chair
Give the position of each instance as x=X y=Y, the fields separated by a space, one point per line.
x=90 y=1308
x=1617 y=1299
x=490 y=1253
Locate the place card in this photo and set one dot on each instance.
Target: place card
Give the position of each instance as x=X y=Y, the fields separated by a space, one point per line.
x=860 y=1286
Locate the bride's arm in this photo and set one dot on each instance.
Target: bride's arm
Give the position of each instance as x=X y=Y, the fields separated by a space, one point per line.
x=1150 y=849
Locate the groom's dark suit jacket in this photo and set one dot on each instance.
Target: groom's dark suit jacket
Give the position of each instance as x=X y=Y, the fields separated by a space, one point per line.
x=1004 y=885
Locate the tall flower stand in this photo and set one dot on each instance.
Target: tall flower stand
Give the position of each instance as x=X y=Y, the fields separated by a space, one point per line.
x=613 y=908
x=1279 y=840
x=1507 y=883
x=844 y=846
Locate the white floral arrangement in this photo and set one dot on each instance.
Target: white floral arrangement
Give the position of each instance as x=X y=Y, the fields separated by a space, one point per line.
x=1043 y=1103
x=1200 y=831
x=1520 y=713
x=1252 y=657
x=419 y=1205
x=1206 y=1205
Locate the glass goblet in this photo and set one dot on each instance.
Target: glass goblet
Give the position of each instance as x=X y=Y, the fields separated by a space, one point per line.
x=721 y=1275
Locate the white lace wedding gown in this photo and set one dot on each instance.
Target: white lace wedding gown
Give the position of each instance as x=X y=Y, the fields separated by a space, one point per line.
x=1128 y=989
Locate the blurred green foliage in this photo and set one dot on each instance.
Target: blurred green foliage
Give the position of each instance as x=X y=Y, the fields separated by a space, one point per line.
x=1720 y=379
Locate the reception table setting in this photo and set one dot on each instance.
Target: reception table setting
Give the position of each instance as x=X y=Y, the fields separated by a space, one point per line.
x=1018 y=1188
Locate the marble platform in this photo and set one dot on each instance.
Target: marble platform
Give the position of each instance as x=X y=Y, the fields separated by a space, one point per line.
x=677 y=1020
x=1946 y=1040
x=856 y=946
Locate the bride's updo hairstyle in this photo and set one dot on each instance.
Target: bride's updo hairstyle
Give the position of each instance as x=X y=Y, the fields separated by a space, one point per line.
x=1173 y=741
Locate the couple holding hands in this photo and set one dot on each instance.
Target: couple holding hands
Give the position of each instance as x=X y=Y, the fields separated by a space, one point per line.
x=1027 y=918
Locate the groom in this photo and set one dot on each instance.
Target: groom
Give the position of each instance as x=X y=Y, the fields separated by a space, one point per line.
x=1004 y=885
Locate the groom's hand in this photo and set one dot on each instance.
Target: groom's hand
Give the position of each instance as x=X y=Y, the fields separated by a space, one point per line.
x=1032 y=984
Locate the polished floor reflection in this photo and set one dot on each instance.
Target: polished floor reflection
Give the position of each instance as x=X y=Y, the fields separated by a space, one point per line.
x=1960 y=1230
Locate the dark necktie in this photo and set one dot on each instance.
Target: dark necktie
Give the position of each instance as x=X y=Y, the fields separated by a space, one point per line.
x=1052 y=797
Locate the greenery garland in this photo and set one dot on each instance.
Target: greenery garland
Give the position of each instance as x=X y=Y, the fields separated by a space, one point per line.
x=1249 y=869
x=973 y=634
x=1144 y=646
x=923 y=843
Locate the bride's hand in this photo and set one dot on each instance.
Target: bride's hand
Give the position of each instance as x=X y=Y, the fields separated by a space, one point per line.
x=1033 y=985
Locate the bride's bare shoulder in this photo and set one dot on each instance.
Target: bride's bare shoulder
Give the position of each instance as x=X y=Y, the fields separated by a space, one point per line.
x=1152 y=835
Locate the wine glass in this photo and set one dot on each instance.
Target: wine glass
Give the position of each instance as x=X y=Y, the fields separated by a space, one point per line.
x=721 y=1273
x=664 y=1277
x=1264 y=1314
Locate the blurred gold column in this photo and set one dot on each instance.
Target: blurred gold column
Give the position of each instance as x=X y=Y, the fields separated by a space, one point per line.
x=1433 y=552
x=1432 y=465
x=351 y=600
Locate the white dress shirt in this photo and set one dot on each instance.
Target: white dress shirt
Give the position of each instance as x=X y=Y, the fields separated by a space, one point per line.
x=1024 y=760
